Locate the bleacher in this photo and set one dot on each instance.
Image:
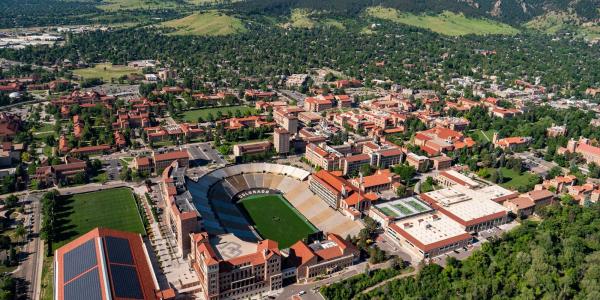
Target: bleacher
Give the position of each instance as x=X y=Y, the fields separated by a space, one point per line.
x=214 y=195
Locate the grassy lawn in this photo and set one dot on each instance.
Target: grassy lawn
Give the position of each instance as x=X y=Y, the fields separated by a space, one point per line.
x=300 y=18
x=483 y=136
x=513 y=180
x=125 y=161
x=47 y=276
x=208 y=23
x=113 y=208
x=166 y=143
x=41 y=136
x=105 y=71
x=193 y=115
x=43 y=127
x=274 y=218
x=115 y=5
x=447 y=23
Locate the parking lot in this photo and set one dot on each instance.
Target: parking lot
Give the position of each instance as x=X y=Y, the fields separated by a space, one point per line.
x=203 y=153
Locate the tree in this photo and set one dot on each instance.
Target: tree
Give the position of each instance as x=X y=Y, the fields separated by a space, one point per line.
x=554 y=171
x=11 y=201
x=366 y=170
x=405 y=172
x=401 y=190
x=20 y=232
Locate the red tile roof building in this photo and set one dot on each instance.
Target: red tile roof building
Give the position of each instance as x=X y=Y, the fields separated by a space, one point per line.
x=66 y=172
x=250 y=122
x=252 y=148
x=84 y=99
x=182 y=217
x=321 y=257
x=345 y=83
x=318 y=103
x=381 y=180
x=352 y=164
x=91 y=150
x=510 y=143
x=256 y=94
x=439 y=140
x=338 y=193
x=325 y=158
x=9 y=126
x=163 y=160
x=584 y=147
x=429 y=235
x=248 y=271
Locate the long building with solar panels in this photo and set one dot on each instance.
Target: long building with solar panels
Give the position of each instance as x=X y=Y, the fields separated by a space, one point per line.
x=105 y=264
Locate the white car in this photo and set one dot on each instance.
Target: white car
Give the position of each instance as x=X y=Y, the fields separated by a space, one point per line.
x=301 y=293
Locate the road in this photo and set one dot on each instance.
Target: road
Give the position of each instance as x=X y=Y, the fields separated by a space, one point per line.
x=311 y=289
x=30 y=270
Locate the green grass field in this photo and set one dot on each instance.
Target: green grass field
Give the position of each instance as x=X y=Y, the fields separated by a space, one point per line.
x=274 y=218
x=105 y=71
x=193 y=115
x=113 y=208
x=483 y=136
x=446 y=23
x=513 y=180
x=115 y=5
x=210 y=23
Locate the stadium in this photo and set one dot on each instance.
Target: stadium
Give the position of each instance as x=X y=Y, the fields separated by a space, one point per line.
x=264 y=201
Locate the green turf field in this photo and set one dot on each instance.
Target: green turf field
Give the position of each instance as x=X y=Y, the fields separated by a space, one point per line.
x=447 y=23
x=105 y=71
x=274 y=218
x=192 y=115
x=207 y=23
x=514 y=181
x=113 y=208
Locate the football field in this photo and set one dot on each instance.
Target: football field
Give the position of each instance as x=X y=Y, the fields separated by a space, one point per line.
x=274 y=218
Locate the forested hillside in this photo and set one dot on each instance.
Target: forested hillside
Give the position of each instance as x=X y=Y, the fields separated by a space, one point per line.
x=510 y=11
x=558 y=258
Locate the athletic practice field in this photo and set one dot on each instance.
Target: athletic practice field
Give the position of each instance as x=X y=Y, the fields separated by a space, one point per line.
x=113 y=208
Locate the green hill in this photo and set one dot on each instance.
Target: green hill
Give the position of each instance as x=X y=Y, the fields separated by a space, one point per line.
x=208 y=23
x=447 y=23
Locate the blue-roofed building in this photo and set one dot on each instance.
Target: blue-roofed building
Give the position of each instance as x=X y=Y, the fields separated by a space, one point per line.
x=105 y=264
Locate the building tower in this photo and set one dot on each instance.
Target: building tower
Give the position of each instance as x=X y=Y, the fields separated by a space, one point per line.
x=281 y=139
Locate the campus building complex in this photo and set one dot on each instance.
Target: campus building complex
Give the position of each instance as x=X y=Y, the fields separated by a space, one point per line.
x=429 y=234
x=321 y=257
x=230 y=268
x=181 y=216
x=474 y=210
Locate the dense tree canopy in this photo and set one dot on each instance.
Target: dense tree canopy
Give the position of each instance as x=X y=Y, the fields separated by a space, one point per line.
x=558 y=258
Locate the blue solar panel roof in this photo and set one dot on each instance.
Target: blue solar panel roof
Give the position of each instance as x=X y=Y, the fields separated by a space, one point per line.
x=125 y=282
x=118 y=250
x=85 y=287
x=79 y=260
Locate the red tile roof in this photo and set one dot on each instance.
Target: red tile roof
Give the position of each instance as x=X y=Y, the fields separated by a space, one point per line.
x=181 y=154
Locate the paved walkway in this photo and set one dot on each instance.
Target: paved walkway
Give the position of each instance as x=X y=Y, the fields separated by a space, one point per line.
x=403 y=275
